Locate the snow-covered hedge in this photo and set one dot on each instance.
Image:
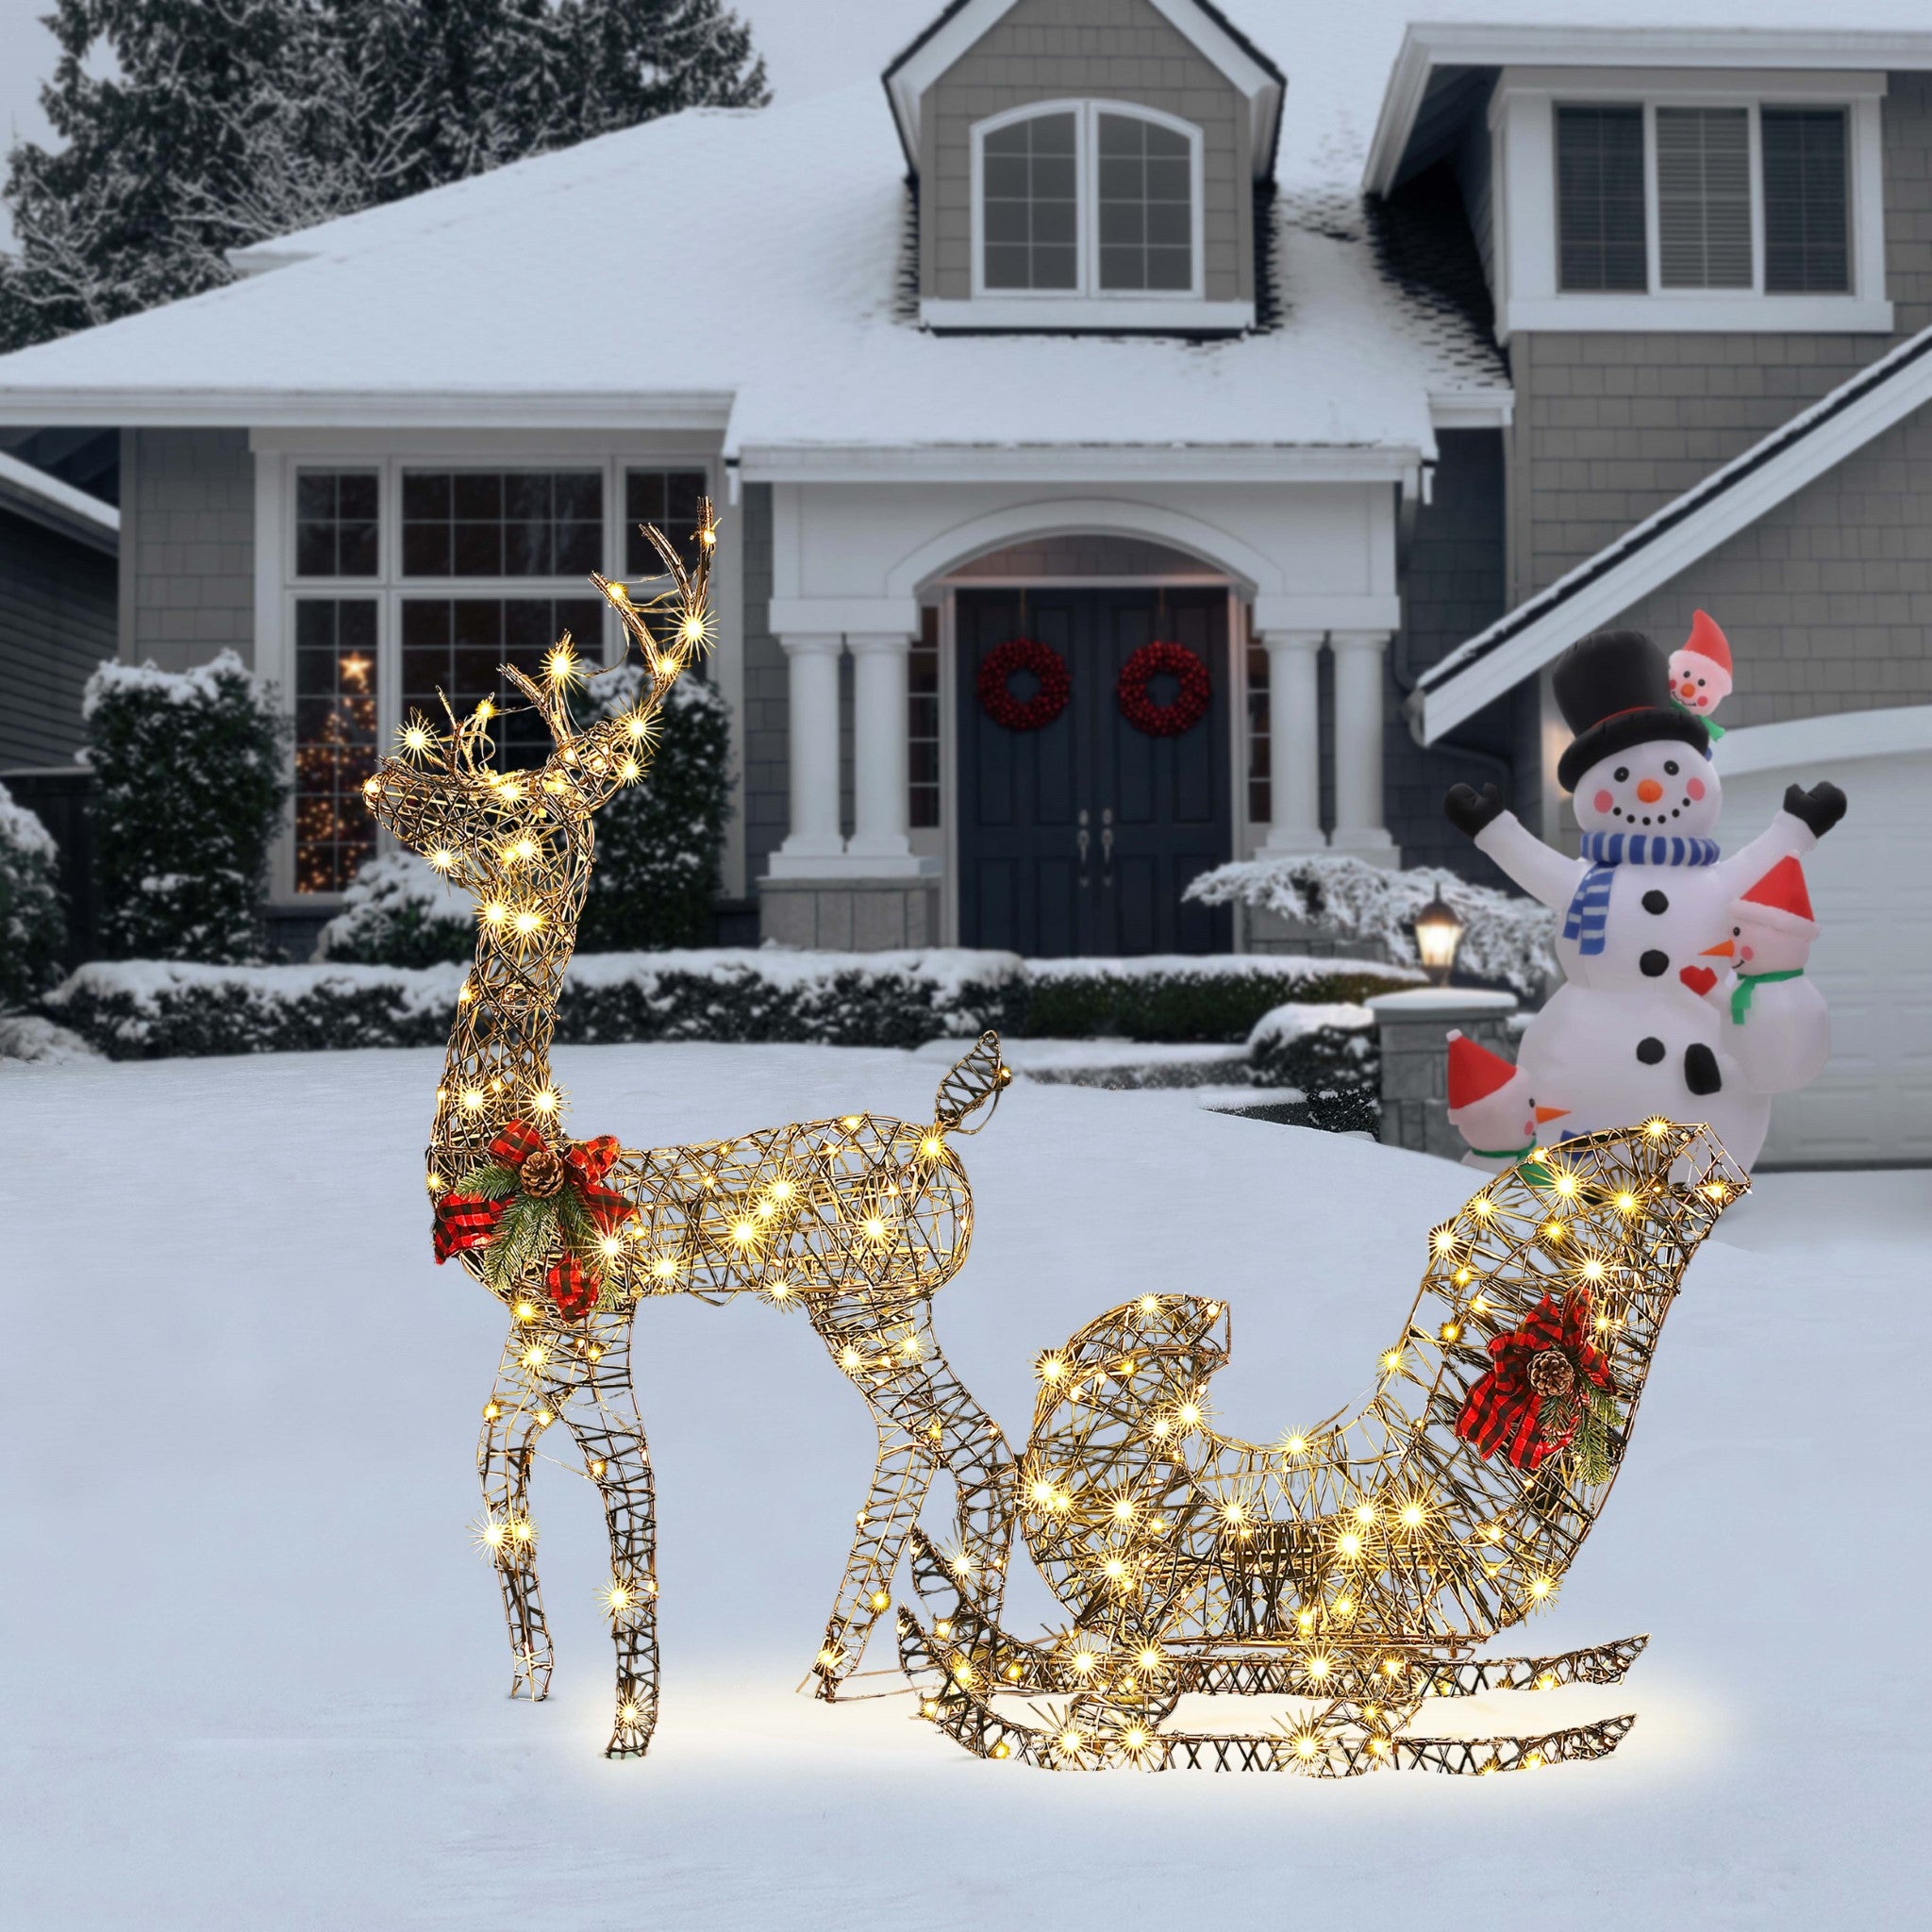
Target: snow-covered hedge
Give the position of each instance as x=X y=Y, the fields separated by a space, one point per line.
x=31 y=925
x=1509 y=939
x=400 y=911
x=149 y=1009
x=188 y=789
x=137 y=1009
x=1185 y=997
x=1331 y=1054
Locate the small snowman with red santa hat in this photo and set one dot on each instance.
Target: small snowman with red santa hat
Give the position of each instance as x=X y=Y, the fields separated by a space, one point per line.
x=1701 y=671
x=1630 y=1034
x=1491 y=1106
x=1776 y=1026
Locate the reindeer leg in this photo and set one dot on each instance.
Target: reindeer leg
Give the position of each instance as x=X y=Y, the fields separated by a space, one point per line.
x=901 y=1478
x=603 y=1418
x=512 y=1423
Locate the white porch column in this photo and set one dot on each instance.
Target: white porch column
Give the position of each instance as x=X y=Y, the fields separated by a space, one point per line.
x=879 y=723
x=1358 y=826
x=1295 y=742
x=812 y=661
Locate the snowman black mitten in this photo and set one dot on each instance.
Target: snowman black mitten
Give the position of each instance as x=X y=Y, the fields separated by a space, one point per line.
x=1817 y=810
x=1470 y=810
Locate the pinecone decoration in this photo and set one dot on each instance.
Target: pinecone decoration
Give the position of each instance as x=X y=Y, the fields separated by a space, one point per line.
x=542 y=1175
x=1552 y=1373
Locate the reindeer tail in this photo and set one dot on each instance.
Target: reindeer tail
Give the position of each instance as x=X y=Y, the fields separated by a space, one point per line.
x=981 y=1077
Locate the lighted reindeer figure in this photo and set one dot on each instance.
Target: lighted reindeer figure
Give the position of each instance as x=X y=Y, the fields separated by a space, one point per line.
x=1355 y=1565
x=859 y=1220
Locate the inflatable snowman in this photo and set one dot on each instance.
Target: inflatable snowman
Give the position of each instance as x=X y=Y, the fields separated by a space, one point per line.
x=1630 y=1034
x=1776 y=1026
x=1491 y=1106
x=1701 y=671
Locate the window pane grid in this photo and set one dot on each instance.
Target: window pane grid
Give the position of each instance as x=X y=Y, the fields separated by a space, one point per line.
x=668 y=499
x=923 y=722
x=456 y=644
x=1147 y=206
x=1703 y=197
x=502 y=522
x=337 y=691
x=1030 y=205
x=1806 y=241
x=1600 y=196
x=336 y=524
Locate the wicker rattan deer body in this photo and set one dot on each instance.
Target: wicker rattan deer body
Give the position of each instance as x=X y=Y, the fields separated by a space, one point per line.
x=1353 y=1566
x=858 y=1220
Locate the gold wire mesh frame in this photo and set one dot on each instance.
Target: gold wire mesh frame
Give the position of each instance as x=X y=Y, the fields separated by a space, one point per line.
x=858 y=1220
x=1352 y=1566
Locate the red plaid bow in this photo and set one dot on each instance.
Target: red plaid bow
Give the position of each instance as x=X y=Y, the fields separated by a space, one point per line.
x=1504 y=1409
x=470 y=1221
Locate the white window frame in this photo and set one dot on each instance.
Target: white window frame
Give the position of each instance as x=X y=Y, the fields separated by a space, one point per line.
x=1522 y=133
x=276 y=476
x=1087 y=305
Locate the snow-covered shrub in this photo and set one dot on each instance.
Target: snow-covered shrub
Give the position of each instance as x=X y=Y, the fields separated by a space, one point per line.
x=1330 y=1054
x=149 y=1009
x=658 y=840
x=32 y=928
x=1185 y=998
x=188 y=788
x=400 y=911
x=1509 y=939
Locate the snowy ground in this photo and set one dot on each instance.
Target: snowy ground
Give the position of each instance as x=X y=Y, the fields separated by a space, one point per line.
x=255 y=1674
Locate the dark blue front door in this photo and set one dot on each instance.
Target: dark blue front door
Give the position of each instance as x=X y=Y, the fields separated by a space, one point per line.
x=1080 y=838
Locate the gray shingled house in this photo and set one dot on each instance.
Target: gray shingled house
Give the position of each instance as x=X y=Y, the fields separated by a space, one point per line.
x=1373 y=354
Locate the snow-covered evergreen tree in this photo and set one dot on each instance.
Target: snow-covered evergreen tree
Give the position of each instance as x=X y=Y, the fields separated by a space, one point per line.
x=31 y=925
x=229 y=121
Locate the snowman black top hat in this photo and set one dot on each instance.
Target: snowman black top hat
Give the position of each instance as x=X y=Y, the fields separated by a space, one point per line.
x=1615 y=691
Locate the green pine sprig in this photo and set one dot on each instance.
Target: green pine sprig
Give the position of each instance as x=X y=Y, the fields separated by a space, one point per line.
x=526 y=1229
x=489 y=1180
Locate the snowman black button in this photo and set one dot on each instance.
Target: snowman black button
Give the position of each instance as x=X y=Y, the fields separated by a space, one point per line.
x=1653 y=964
x=1650 y=1050
x=1654 y=901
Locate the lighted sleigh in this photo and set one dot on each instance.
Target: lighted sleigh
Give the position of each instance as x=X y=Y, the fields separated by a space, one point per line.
x=1358 y=1566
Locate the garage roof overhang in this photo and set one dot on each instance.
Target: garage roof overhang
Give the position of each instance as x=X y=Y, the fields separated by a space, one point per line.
x=1520 y=644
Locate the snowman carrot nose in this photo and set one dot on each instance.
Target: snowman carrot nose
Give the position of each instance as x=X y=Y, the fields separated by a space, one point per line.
x=1722 y=950
x=1649 y=790
x=1550 y=1113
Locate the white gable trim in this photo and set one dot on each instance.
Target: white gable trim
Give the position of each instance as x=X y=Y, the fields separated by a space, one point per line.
x=909 y=77
x=1661 y=546
x=1831 y=739
x=30 y=492
x=1429 y=45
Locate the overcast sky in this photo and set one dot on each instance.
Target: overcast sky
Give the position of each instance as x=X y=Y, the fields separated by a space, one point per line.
x=808 y=46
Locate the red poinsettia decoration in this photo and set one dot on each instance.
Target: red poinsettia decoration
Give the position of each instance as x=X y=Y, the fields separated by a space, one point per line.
x=1548 y=1382
x=526 y=1197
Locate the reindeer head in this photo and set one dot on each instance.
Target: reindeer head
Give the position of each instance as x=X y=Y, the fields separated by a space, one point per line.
x=520 y=841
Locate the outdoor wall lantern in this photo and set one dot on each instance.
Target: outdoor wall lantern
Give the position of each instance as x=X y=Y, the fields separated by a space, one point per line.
x=1438 y=933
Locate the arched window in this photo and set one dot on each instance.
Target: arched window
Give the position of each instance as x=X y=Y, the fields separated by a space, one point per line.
x=1087 y=198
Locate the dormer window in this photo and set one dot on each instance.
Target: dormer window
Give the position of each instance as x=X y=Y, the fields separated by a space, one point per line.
x=1087 y=214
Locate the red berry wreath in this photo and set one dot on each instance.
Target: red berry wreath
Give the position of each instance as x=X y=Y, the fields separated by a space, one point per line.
x=1049 y=670
x=1190 y=704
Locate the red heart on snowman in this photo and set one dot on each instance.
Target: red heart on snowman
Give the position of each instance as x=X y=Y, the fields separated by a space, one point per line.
x=1700 y=979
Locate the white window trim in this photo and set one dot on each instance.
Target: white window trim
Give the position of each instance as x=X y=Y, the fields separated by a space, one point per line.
x=279 y=588
x=1089 y=306
x=1524 y=144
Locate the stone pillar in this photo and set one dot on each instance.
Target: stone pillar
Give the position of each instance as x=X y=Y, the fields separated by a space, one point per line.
x=812 y=661
x=1294 y=743
x=1413 y=1029
x=1359 y=824
x=879 y=725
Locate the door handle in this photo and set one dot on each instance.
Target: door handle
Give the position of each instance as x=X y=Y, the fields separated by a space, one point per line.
x=1082 y=839
x=1107 y=846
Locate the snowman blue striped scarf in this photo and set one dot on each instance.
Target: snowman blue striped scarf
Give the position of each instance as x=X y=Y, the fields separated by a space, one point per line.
x=1590 y=910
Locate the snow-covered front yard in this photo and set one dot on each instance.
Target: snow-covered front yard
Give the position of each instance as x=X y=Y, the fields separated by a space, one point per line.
x=256 y=1675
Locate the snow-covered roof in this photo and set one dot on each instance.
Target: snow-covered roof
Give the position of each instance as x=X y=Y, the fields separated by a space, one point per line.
x=745 y=270
x=30 y=492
